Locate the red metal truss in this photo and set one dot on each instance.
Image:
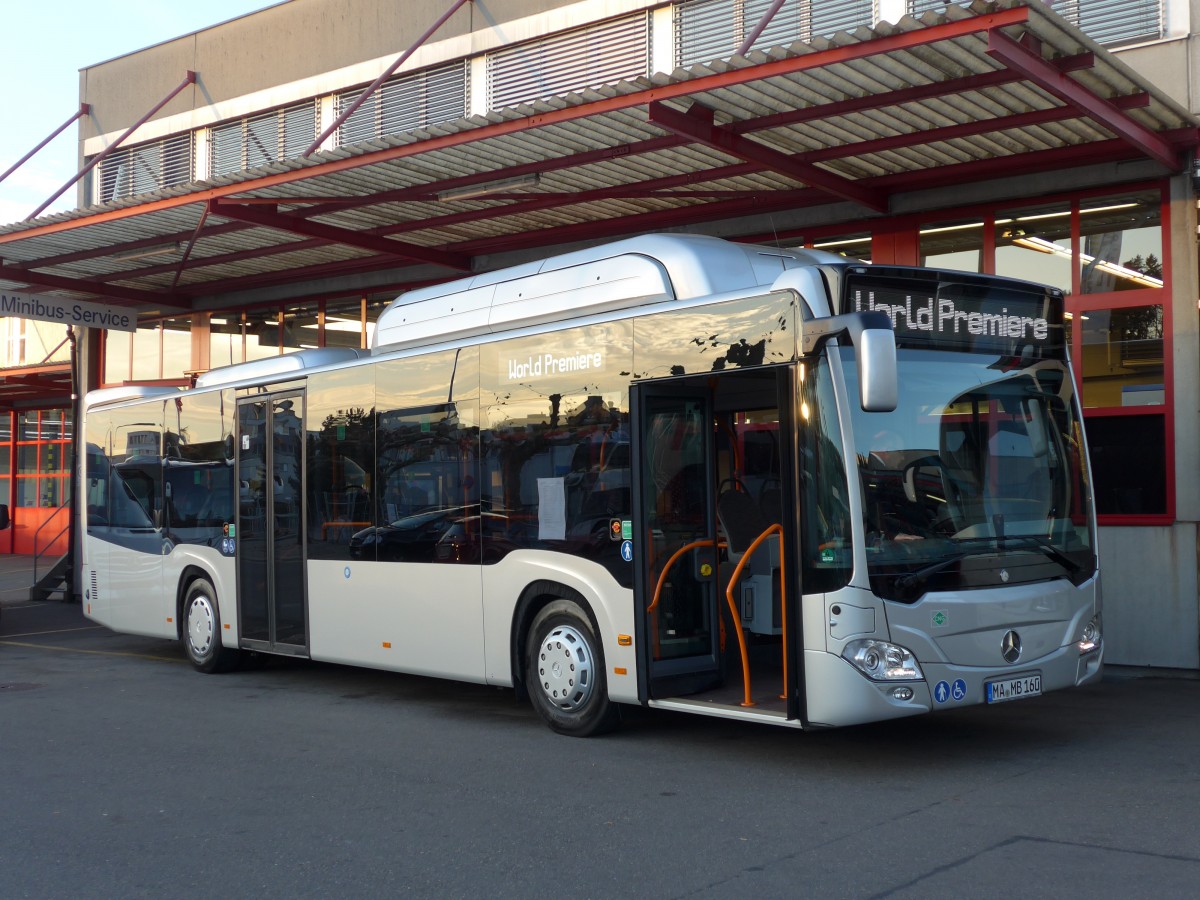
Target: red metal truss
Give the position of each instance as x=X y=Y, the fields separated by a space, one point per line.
x=83 y=110
x=899 y=41
x=1032 y=67
x=189 y=79
x=87 y=285
x=697 y=124
x=697 y=193
x=384 y=76
x=266 y=218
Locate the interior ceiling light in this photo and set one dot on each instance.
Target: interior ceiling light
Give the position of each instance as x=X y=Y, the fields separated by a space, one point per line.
x=147 y=252
x=471 y=191
x=1041 y=245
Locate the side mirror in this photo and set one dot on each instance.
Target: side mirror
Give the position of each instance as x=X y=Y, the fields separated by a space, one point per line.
x=877 y=370
x=872 y=336
x=4 y=520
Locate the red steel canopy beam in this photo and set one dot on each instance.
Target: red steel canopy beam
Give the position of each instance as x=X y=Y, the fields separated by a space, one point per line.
x=258 y=215
x=387 y=73
x=697 y=124
x=129 y=295
x=1031 y=65
x=84 y=109
x=95 y=160
x=900 y=41
x=911 y=94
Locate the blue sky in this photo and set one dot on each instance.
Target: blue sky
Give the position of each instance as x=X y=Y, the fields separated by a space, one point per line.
x=43 y=45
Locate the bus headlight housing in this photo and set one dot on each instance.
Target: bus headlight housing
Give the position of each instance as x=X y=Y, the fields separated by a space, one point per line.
x=883 y=661
x=1093 y=636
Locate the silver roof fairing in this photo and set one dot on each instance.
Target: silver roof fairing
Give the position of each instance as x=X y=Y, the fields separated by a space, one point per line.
x=621 y=275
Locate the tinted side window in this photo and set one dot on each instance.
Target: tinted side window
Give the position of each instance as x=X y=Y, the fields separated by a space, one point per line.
x=556 y=442
x=124 y=477
x=340 y=453
x=198 y=467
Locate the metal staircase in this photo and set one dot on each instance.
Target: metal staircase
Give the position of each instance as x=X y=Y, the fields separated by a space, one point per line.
x=57 y=580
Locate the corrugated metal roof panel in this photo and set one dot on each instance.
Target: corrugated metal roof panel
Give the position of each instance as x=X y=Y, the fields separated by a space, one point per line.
x=595 y=164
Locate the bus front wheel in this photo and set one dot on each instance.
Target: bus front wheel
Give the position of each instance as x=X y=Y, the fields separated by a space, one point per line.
x=565 y=672
x=202 y=629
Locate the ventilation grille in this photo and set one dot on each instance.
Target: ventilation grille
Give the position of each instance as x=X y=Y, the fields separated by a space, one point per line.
x=263 y=138
x=406 y=103
x=1104 y=21
x=599 y=54
x=95 y=587
x=147 y=167
x=713 y=29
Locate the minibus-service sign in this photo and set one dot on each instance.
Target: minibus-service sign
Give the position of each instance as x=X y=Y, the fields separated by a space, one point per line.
x=66 y=312
x=960 y=316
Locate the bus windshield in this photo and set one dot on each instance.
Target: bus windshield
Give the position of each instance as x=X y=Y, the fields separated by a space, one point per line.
x=976 y=479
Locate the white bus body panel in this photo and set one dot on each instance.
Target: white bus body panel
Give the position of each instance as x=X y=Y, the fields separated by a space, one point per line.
x=134 y=588
x=217 y=569
x=612 y=605
x=1048 y=616
x=431 y=615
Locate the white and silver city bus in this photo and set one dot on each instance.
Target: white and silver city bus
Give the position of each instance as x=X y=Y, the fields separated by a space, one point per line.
x=771 y=485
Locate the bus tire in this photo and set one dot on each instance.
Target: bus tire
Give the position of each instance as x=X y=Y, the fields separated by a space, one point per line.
x=565 y=672
x=202 y=629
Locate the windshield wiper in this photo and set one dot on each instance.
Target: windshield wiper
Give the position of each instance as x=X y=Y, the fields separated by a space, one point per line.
x=916 y=580
x=1041 y=543
x=909 y=585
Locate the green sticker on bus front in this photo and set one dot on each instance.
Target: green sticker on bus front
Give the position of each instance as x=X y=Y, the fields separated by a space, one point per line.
x=939 y=618
x=627 y=529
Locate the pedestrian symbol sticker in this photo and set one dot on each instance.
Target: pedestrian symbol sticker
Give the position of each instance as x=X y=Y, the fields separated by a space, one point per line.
x=959 y=689
x=941 y=692
x=627 y=551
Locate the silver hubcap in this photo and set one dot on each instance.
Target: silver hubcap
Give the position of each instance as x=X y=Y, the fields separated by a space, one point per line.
x=565 y=668
x=200 y=622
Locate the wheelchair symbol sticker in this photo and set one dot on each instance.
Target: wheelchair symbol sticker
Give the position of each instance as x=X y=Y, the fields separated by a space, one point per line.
x=959 y=690
x=627 y=551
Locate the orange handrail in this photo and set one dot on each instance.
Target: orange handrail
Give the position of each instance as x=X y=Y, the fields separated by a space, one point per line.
x=707 y=542
x=737 y=616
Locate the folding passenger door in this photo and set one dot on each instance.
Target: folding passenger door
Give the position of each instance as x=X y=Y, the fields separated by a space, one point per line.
x=674 y=543
x=272 y=601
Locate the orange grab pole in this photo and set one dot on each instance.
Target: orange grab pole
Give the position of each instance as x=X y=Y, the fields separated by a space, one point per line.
x=737 y=617
x=662 y=578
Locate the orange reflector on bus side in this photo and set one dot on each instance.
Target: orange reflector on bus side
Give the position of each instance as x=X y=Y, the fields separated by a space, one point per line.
x=625 y=640
x=169 y=619
x=227 y=626
x=620 y=670
x=387 y=645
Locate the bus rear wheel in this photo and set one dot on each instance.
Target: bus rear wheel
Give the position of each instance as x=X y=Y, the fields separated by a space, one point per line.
x=565 y=672
x=202 y=629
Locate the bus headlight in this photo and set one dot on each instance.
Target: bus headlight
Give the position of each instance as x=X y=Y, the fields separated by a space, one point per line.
x=1092 y=636
x=883 y=661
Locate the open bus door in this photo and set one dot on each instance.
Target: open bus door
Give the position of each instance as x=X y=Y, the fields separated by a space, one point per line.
x=674 y=538
x=714 y=471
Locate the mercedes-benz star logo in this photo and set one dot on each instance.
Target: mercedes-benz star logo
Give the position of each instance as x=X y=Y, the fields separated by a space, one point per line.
x=1010 y=647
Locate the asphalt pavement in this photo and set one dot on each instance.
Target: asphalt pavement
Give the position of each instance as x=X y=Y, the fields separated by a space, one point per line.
x=124 y=773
